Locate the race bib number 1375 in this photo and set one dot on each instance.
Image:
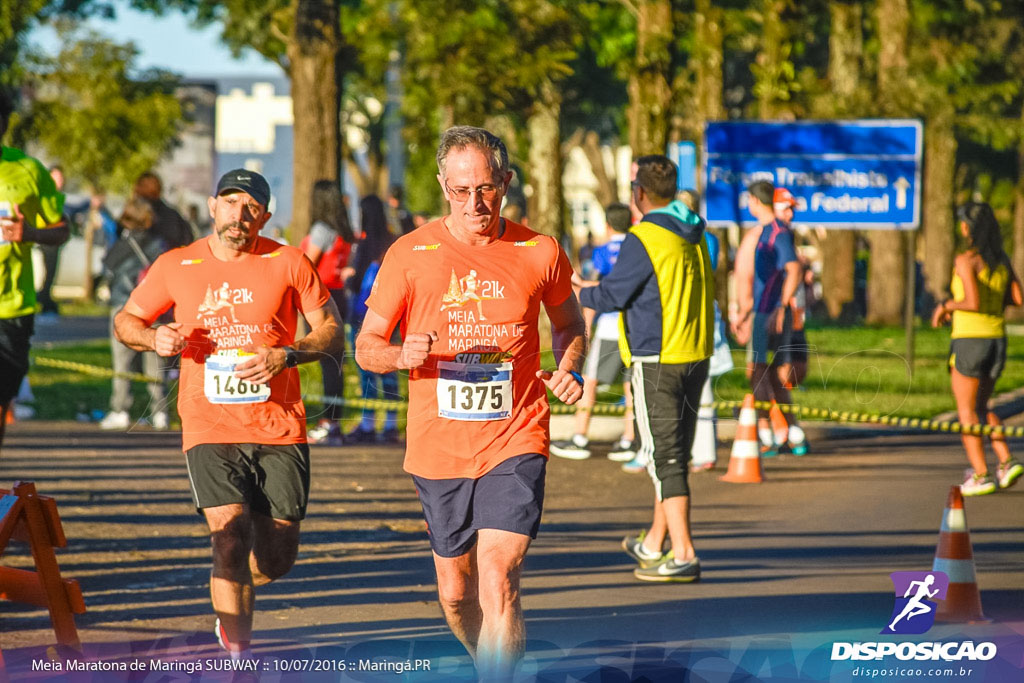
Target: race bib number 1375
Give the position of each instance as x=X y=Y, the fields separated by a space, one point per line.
x=474 y=391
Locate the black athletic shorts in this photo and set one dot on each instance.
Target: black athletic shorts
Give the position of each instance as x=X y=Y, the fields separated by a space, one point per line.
x=792 y=347
x=977 y=357
x=15 y=334
x=666 y=398
x=272 y=479
x=509 y=497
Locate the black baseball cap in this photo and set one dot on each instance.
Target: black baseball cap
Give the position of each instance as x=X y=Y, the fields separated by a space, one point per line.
x=250 y=182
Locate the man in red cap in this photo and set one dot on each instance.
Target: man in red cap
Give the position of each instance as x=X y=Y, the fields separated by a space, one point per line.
x=791 y=355
x=767 y=274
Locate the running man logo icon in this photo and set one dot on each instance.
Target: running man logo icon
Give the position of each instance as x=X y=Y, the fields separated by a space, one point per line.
x=461 y=291
x=216 y=300
x=914 y=611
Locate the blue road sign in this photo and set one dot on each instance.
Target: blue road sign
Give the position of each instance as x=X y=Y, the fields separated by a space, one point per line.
x=845 y=174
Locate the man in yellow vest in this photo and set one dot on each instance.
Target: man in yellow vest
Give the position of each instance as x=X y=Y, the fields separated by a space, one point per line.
x=663 y=284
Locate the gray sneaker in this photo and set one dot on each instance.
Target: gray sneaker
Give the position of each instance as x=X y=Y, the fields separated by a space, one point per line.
x=569 y=449
x=623 y=451
x=634 y=547
x=670 y=571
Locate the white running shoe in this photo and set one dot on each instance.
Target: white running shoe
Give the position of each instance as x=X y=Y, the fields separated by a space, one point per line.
x=977 y=484
x=116 y=419
x=624 y=451
x=160 y=421
x=569 y=449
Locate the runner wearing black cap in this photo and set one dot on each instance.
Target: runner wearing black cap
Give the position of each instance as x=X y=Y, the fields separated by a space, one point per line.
x=236 y=299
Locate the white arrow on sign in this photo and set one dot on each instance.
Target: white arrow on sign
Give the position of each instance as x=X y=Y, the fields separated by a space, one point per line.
x=901 y=185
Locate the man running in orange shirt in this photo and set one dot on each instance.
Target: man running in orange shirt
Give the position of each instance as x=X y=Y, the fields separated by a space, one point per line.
x=236 y=299
x=478 y=412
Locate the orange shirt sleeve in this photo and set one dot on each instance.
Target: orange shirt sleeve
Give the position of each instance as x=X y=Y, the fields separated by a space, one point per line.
x=559 y=277
x=152 y=294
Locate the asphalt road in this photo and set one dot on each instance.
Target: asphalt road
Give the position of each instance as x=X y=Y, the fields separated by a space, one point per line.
x=791 y=566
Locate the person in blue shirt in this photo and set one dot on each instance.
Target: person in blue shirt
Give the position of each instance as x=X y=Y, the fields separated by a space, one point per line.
x=604 y=363
x=777 y=276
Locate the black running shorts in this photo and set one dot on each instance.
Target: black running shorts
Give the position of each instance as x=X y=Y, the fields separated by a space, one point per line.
x=272 y=479
x=978 y=357
x=666 y=398
x=509 y=497
x=15 y=334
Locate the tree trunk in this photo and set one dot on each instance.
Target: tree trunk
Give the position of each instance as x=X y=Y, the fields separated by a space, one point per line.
x=886 y=274
x=710 y=58
x=845 y=49
x=837 y=255
x=649 y=92
x=893 y=59
x=314 y=59
x=770 y=85
x=939 y=166
x=93 y=225
x=886 y=277
x=607 y=183
x=545 y=163
x=846 y=46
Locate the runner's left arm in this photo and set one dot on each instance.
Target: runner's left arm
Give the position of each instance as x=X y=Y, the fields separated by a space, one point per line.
x=324 y=339
x=569 y=344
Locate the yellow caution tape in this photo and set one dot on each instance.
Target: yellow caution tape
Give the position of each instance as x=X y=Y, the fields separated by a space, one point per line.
x=611 y=409
x=94 y=370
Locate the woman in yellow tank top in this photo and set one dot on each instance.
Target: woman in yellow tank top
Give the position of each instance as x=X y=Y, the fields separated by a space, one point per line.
x=983 y=285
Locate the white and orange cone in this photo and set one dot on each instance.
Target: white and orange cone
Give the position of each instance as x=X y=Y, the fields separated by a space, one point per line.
x=780 y=427
x=955 y=557
x=745 y=460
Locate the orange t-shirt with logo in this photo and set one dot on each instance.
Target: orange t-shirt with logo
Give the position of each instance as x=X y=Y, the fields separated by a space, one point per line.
x=228 y=308
x=476 y=401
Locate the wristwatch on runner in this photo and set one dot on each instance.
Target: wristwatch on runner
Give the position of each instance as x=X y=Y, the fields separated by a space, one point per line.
x=291 y=357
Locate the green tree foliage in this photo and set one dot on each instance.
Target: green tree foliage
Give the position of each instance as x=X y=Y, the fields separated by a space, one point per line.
x=17 y=17
x=96 y=115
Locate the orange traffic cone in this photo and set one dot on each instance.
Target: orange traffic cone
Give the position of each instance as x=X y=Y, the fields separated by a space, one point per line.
x=745 y=461
x=955 y=557
x=780 y=428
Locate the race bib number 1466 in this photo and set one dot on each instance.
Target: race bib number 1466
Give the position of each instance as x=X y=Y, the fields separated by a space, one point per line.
x=221 y=386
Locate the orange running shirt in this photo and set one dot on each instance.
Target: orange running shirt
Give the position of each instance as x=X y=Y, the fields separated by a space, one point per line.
x=226 y=306
x=476 y=401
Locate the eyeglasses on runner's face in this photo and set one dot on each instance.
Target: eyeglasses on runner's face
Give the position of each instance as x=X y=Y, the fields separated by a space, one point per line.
x=461 y=194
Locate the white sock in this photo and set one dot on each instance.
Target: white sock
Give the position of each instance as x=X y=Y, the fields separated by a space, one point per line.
x=580 y=440
x=766 y=436
x=644 y=552
x=796 y=435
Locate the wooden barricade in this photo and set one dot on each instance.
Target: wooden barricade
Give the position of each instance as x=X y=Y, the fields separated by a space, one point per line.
x=28 y=517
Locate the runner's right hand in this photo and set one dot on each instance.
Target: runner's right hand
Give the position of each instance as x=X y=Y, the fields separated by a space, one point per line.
x=168 y=340
x=416 y=349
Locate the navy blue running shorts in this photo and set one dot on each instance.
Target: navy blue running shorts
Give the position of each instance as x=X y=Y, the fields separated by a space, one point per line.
x=509 y=497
